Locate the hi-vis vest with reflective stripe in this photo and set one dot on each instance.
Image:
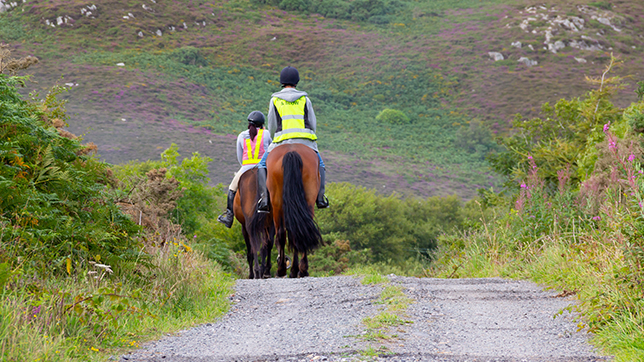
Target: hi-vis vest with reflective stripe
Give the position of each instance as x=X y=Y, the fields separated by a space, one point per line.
x=292 y=115
x=254 y=150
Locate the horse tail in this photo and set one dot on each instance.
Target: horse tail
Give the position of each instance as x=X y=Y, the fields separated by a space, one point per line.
x=257 y=228
x=303 y=232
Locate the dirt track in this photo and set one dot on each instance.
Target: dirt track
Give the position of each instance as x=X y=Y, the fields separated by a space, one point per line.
x=321 y=319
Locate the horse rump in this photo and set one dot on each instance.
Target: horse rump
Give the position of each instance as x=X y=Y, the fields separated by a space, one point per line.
x=303 y=232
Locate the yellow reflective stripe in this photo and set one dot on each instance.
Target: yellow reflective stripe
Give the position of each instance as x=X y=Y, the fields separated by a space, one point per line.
x=259 y=138
x=285 y=136
x=249 y=155
x=292 y=123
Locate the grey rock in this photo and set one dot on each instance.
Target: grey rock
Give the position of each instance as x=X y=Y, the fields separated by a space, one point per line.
x=496 y=56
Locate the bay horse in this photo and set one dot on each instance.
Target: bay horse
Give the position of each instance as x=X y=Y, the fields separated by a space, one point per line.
x=259 y=242
x=293 y=181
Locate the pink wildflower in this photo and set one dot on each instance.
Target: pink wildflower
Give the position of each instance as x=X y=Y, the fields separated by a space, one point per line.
x=597 y=218
x=606 y=127
x=523 y=186
x=631 y=158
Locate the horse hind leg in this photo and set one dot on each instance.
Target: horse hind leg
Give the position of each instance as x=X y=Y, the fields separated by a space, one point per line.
x=304 y=267
x=249 y=252
x=257 y=268
x=294 y=266
x=267 y=247
x=281 y=256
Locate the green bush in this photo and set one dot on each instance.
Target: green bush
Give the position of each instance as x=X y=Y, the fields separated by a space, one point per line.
x=393 y=116
x=566 y=136
x=57 y=209
x=392 y=229
x=188 y=56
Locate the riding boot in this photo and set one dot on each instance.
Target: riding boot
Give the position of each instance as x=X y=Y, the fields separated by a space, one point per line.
x=228 y=216
x=263 y=205
x=322 y=202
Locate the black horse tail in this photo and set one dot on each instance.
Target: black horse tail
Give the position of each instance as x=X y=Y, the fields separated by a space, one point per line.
x=303 y=232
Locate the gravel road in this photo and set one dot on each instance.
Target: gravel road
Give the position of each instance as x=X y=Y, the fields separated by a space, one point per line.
x=320 y=319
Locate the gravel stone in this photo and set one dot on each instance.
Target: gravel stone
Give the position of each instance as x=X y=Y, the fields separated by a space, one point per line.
x=319 y=319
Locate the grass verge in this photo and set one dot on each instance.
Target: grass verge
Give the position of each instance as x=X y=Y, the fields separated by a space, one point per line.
x=589 y=265
x=99 y=313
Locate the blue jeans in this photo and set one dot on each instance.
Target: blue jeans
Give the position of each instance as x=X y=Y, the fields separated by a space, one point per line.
x=262 y=162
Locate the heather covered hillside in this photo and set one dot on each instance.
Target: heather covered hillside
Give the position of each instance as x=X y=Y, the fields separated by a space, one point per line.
x=143 y=74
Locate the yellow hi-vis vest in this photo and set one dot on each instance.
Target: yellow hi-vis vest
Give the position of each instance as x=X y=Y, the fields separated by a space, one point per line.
x=292 y=115
x=248 y=157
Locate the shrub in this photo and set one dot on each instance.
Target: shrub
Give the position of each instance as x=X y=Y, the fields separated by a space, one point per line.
x=392 y=229
x=188 y=56
x=393 y=116
x=55 y=201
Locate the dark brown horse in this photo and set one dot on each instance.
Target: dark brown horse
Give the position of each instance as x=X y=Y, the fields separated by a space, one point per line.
x=259 y=242
x=293 y=181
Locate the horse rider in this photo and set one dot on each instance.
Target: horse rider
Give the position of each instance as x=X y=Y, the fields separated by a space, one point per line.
x=251 y=145
x=290 y=120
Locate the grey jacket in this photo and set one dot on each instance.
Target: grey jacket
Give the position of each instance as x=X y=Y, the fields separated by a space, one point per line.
x=241 y=139
x=290 y=95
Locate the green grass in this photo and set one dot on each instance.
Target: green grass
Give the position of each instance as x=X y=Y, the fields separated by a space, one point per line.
x=390 y=318
x=590 y=270
x=38 y=325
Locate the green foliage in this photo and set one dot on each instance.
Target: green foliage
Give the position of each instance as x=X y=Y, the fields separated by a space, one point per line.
x=602 y=5
x=197 y=205
x=55 y=202
x=390 y=228
x=393 y=116
x=640 y=91
x=335 y=258
x=477 y=139
x=89 y=317
x=634 y=116
x=565 y=138
x=11 y=28
x=188 y=56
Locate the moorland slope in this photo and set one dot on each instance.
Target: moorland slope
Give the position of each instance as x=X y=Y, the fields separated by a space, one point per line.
x=143 y=74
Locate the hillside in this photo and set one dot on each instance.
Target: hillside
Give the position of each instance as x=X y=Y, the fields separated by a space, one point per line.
x=143 y=74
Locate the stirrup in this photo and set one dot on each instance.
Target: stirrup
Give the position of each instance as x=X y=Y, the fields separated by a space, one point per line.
x=227 y=218
x=322 y=204
x=263 y=210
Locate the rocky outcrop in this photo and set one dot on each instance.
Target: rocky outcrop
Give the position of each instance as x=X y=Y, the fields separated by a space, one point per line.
x=559 y=31
x=528 y=62
x=496 y=56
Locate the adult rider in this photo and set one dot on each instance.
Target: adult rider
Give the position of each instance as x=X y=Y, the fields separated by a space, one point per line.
x=290 y=120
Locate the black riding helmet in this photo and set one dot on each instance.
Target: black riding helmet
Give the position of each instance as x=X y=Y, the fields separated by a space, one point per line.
x=289 y=76
x=256 y=118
